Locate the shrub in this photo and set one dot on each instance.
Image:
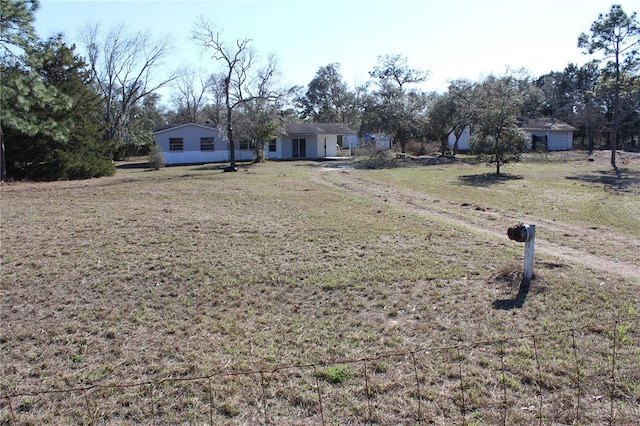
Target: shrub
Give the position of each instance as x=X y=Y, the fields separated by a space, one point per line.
x=374 y=158
x=156 y=158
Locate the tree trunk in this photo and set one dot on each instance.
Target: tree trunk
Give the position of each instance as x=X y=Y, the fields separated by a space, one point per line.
x=616 y=125
x=590 y=133
x=616 y=113
x=3 y=168
x=232 y=148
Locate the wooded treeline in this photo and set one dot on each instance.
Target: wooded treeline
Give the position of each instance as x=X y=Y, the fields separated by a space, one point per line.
x=68 y=116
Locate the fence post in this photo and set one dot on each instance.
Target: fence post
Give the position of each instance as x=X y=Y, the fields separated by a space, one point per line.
x=529 y=249
x=525 y=234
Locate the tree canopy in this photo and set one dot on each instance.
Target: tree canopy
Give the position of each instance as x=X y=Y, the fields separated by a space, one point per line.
x=616 y=36
x=52 y=117
x=495 y=132
x=394 y=108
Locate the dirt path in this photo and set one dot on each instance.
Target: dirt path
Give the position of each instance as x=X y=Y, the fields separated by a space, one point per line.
x=490 y=222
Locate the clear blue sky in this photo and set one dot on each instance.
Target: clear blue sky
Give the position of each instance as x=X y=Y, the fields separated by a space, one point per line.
x=451 y=38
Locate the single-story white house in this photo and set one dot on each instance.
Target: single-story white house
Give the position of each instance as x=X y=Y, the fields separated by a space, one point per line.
x=546 y=133
x=198 y=143
x=194 y=143
x=308 y=140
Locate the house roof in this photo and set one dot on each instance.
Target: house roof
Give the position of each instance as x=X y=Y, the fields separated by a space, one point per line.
x=544 y=123
x=293 y=129
x=165 y=128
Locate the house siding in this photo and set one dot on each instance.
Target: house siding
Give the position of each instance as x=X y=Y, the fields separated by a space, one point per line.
x=191 y=152
x=558 y=140
x=314 y=147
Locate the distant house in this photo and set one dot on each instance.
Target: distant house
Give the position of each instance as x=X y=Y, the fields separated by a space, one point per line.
x=378 y=140
x=546 y=133
x=193 y=143
x=308 y=140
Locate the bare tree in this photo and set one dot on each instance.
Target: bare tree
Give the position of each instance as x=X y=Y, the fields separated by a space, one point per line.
x=189 y=97
x=214 y=110
x=241 y=83
x=123 y=65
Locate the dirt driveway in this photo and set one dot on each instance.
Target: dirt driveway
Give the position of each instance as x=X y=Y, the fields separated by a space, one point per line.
x=494 y=222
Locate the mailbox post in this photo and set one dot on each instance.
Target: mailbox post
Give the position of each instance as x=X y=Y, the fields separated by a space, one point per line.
x=525 y=234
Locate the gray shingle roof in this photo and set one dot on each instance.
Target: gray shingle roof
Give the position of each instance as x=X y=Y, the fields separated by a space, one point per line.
x=318 y=129
x=544 y=123
x=175 y=126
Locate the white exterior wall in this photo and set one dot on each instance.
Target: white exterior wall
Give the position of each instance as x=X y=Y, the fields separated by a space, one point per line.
x=556 y=140
x=463 y=142
x=191 y=153
x=314 y=147
x=559 y=141
x=327 y=146
x=350 y=141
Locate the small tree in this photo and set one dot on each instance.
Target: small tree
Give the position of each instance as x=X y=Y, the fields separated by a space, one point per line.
x=451 y=113
x=260 y=121
x=500 y=147
x=156 y=157
x=497 y=103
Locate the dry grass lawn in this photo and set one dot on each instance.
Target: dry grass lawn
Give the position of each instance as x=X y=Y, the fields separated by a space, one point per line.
x=301 y=293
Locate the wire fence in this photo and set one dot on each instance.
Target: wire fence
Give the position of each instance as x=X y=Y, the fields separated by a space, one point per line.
x=586 y=375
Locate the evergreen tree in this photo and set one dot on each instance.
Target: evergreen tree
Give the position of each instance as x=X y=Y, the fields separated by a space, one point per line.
x=51 y=116
x=617 y=37
x=16 y=33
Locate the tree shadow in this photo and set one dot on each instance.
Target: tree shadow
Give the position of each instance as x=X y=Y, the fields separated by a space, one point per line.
x=127 y=166
x=486 y=179
x=615 y=180
x=517 y=302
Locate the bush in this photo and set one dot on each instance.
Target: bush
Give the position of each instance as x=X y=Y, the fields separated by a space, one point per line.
x=156 y=158
x=89 y=167
x=374 y=158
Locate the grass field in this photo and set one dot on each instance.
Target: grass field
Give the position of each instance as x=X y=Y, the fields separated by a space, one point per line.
x=305 y=293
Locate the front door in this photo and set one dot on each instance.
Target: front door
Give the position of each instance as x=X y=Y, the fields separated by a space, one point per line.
x=299 y=148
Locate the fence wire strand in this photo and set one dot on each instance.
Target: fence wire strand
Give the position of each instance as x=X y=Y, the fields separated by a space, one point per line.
x=153 y=389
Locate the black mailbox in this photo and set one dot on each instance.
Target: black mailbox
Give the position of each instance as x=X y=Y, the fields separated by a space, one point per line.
x=519 y=233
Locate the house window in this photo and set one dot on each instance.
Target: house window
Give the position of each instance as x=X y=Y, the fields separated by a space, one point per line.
x=272 y=145
x=245 y=145
x=176 y=144
x=207 y=144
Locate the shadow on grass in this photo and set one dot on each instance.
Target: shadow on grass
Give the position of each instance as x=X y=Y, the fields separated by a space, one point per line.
x=616 y=180
x=127 y=166
x=486 y=179
x=517 y=302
